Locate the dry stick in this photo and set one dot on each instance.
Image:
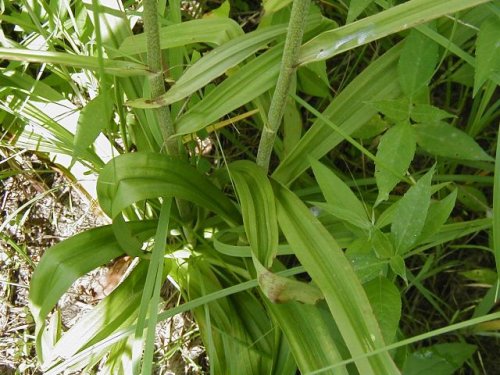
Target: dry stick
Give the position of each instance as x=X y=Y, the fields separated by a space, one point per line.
x=156 y=81
x=288 y=67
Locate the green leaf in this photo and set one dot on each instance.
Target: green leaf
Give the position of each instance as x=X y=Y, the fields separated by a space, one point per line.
x=130 y=178
x=394 y=154
x=65 y=262
x=213 y=65
x=411 y=212
x=93 y=118
x=386 y=304
x=341 y=200
x=240 y=88
x=258 y=209
x=397 y=110
x=382 y=244
x=438 y=214
x=440 y=359
x=332 y=273
x=393 y=20
x=444 y=140
x=487 y=52
x=356 y=7
x=313 y=79
x=417 y=62
x=214 y=31
x=398 y=266
x=472 y=198
x=428 y=114
x=115 y=67
x=364 y=261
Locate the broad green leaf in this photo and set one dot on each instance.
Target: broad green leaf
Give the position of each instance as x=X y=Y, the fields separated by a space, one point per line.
x=272 y=6
x=339 y=196
x=487 y=51
x=94 y=117
x=410 y=215
x=438 y=214
x=214 y=31
x=444 y=140
x=246 y=84
x=395 y=150
x=375 y=126
x=258 y=209
x=439 y=359
x=130 y=178
x=311 y=334
x=397 y=110
x=115 y=311
x=115 y=67
x=385 y=300
x=393 y=20
x=63 y=263
x=356 y=7
x=213 y=65
x=417 y=62
x=349 y=109
x=332 y=273
x=344 y=214
x=428 y=114
x=481 y=275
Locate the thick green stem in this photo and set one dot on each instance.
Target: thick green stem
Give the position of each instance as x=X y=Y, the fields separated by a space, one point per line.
x=288 y=67
x=156 y=81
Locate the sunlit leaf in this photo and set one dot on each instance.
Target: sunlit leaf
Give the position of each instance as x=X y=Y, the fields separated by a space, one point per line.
x=487 y=51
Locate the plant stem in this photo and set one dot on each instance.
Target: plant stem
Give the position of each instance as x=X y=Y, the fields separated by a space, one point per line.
x=156 y=81
x=288 y=67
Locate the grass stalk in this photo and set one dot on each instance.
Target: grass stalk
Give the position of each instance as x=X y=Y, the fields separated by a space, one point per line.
x=288 y=67
x=156 y=81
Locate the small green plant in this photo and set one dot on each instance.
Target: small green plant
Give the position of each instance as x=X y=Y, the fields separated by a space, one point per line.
x=286 y=262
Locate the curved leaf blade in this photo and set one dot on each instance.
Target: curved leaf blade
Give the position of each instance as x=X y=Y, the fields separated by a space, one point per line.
x=138 y=176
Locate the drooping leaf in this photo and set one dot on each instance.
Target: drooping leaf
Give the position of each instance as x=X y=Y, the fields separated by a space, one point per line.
x=444 y=140
x=395 y=150
x=398 y=266
x=487 y=51
x=411 y=212
x=386 y=304
x=439 y=359
x=130 y=178
x=417 y=62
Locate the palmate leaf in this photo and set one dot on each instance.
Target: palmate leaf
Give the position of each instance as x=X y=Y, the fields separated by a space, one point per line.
x=65 y=262
x=138 y=176
x=332 y=273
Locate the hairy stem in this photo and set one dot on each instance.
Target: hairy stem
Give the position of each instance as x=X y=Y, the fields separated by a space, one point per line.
x=156 y=81
x=288 y=62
